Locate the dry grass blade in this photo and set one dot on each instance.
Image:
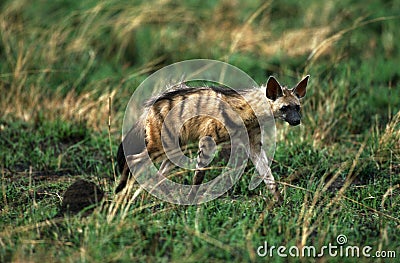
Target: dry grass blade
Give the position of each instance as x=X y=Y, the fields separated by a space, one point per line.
x=314 y=55
x=373 y=209
x=239 y=35
x=215 y=242
x=109 y=139
x=389 y=192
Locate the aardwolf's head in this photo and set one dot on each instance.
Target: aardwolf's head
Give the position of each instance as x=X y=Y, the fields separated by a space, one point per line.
x=286 y=102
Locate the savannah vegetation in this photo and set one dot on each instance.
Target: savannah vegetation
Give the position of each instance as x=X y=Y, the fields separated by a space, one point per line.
x=68 y=69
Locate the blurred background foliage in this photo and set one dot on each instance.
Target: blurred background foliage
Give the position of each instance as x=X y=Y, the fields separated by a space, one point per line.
x=52 y=50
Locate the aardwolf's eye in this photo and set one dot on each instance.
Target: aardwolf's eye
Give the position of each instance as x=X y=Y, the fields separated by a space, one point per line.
x=297 y=107
x=284 y=108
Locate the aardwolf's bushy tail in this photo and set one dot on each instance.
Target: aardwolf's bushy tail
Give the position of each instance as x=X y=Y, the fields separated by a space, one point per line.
x=133 y=143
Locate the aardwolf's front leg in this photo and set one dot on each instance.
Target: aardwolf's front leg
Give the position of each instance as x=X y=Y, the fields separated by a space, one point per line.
x=260 y=161
x=205 y=155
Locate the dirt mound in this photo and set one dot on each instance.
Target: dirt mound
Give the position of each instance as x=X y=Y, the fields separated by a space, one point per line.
x=79 y=196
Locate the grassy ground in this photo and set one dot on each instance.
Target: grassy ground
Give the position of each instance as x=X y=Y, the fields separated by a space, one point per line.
x=63 y=62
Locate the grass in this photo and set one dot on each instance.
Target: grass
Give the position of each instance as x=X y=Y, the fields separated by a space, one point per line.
x=62 y=62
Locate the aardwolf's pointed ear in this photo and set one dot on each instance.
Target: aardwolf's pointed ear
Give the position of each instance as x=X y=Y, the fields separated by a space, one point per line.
x=301 y=88
x=274 y=89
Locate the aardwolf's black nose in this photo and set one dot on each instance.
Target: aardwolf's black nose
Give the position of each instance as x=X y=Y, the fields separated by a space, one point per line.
x=294 y=122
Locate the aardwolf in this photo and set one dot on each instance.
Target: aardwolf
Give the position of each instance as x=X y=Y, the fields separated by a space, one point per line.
x=207 y=131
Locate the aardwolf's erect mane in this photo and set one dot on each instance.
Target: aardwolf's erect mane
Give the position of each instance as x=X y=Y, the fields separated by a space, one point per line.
x=183 y=90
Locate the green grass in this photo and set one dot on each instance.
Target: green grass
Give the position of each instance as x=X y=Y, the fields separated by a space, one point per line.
x=62 y=62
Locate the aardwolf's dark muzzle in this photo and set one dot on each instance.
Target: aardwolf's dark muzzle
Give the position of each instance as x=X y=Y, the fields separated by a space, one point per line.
x=294 y=122
x=293 y=118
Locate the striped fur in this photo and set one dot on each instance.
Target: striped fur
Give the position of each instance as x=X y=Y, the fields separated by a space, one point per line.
x=245 y=107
